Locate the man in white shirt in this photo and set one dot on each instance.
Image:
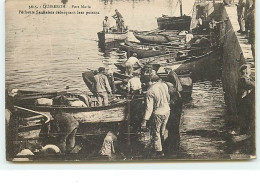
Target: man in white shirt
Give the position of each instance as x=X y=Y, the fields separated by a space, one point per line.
x=130 y=64
x=134 y=85
x=106 y=24
x=188 y=37
x=157 y=111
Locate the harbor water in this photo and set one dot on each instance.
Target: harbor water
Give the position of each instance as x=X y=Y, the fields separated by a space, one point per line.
x=50 y=53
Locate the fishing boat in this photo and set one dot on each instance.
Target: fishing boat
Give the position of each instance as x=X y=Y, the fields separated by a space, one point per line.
x=147 y=50
x=175 y=23
x=204 y=66
x=23 y=130
x=158 y=36
x=110 y=37
x=116 y=111
x=188 y=61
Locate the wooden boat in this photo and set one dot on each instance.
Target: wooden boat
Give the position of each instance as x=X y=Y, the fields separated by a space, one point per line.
x=181 y=54
x=191 y=61
x=24 y=130
x=112 y=37
x=158 y=37
x=146 y=50
x=205 y=66
x=116 y=111
x=175 y=23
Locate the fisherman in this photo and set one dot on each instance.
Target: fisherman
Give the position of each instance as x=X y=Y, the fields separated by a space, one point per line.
x=200 y=24
x=241 y=15
x=134 y=85
x=245 y=99
x=119 y=21
x=251 y=27
x=129 y=64
x=213 y=31
x=248 y=4
x=102 y=87
x=66 y=128
x=175 y=88
x=157 y=111
x=106 y=24
x=188 y=37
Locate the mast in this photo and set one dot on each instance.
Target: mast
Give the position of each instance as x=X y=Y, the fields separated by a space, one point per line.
x=180 y=1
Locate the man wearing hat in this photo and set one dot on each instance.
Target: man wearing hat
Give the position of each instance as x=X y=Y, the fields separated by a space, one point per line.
x=106 y=24
x=245 y=99
x=102 y=87
x=119 y=21
x=157 y=111
x=130 y=64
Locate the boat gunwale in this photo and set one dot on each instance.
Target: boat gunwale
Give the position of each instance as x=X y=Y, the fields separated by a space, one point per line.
x=83 y=109
x=102 y=32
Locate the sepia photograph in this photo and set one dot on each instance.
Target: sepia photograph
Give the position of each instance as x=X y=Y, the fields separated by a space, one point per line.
x=130 y=80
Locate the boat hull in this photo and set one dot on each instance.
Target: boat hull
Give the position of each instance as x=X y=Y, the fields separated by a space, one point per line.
x=144 y=52
x=86 y=115
x=156 y=39
x=202 y=67
x=111 y=37
x=174 y=23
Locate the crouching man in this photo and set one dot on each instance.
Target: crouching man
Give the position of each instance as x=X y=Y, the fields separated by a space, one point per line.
x=66 y=128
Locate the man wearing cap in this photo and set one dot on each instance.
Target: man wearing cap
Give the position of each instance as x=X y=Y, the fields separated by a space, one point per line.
x=241 y=15
x=129 y=65
x=157 y=111
x=245 y=99
x=102 y=87
x=106 y=24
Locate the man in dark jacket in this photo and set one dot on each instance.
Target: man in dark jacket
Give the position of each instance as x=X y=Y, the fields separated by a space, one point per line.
x=245 y=100
x=66 y=128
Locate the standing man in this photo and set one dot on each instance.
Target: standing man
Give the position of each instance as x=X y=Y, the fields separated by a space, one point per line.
x=174 y=88
x=245 y=100
x=251 y=27
x=102 y=87
x=157 y=111
x=241 y=15
x=119 y=21
x=130 y=64
x=248 y=4
x=106 y=24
